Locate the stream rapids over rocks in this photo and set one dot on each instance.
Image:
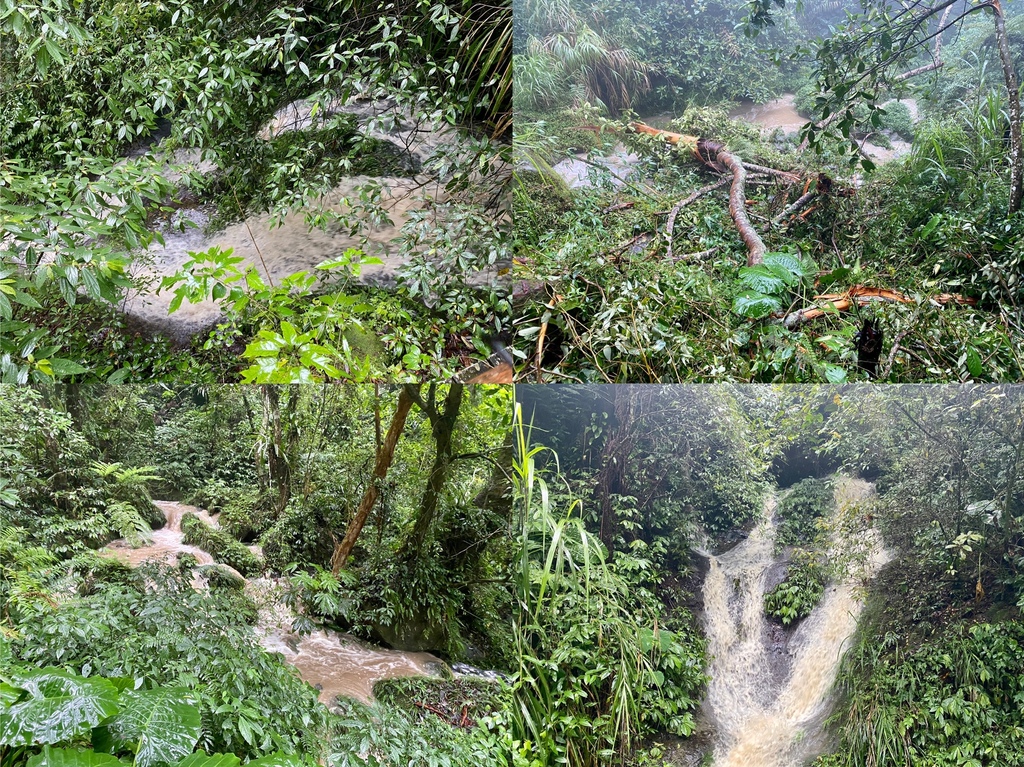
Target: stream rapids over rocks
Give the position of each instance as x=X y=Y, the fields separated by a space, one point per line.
x=770 y=694
x=280 y=246
x=335 y=663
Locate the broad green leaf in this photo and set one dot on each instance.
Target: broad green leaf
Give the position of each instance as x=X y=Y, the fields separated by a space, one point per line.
x=835 y=374
x=761 y=279
x=974 y=362
x=60 y=706
x=276 y=760
x=200 y=759
x=160 y=725
x=69 y=757
x=8 y=693
x=62 y=367
x=791 y=262
x=755 y=305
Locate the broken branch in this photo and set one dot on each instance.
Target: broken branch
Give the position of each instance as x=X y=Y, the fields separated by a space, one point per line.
x=670 y=226
x=861 y=295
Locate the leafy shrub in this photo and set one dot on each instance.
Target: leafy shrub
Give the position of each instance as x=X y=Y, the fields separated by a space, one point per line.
x=382 y=737
x=172 y=635
x=713 y=122
x=598 y=667
x=222 y=546
x=244 y=513
x=799 y=593
x=768 y=287
x=144 y=726
x=318 y=595
x=457 y=698
x=303 y=533
x=952 y=701
x=898 y=120
x=94 y=570
x=807 y=501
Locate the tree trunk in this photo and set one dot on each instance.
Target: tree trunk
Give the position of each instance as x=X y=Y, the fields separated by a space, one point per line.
x=74 y=403
x=277 y=460
x=610 y=478
x=443 y=428
x=384 y=458
x=1013 y=95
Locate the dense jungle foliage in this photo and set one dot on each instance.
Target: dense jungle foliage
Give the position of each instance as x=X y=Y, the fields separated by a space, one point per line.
x=624 y=490
x=902 y=214
x=122 y=123
x=162 y=664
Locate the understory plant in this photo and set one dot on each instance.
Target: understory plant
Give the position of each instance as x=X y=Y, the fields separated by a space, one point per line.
x=597 y=672
x=47 y=715
x=799 y=593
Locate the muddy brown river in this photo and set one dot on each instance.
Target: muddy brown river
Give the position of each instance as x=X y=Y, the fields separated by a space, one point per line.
x=335 y=663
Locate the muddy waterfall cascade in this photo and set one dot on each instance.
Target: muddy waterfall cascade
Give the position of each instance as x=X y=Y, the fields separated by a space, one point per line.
x=767 y=698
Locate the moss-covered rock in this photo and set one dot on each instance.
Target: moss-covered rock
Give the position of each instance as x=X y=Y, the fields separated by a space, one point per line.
x=221 y=577
x=220 y=545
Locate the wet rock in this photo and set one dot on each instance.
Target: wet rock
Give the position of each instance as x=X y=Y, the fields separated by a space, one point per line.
x=465 y=670
x=621 y=163
x=415 y=634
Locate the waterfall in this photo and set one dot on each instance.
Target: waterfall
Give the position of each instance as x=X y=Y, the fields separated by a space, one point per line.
x=766 y=699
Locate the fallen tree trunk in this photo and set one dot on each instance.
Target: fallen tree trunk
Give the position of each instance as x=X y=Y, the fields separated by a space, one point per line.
x=738 y=208
x=714 y=155
x=861 y=295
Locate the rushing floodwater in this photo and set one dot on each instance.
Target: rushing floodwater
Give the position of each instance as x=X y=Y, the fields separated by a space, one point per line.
x=767 y=702
x=335 y=663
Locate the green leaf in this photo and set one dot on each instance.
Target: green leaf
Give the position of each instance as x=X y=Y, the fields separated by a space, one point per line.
x=9 y=693
x=60 y=706
x=755 y=305
x=200 y=759
x=835 y=374
x=974 y=362
x=62 y=367
x=792 y=263
x=761 y=279
x=160 y=725
x=69 y=757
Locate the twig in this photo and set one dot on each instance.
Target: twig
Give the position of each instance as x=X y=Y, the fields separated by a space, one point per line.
x=892 y=354
x=791 y=177
x=700 y=254
x=540 y=347
x=796 y=207
x=670 y=226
